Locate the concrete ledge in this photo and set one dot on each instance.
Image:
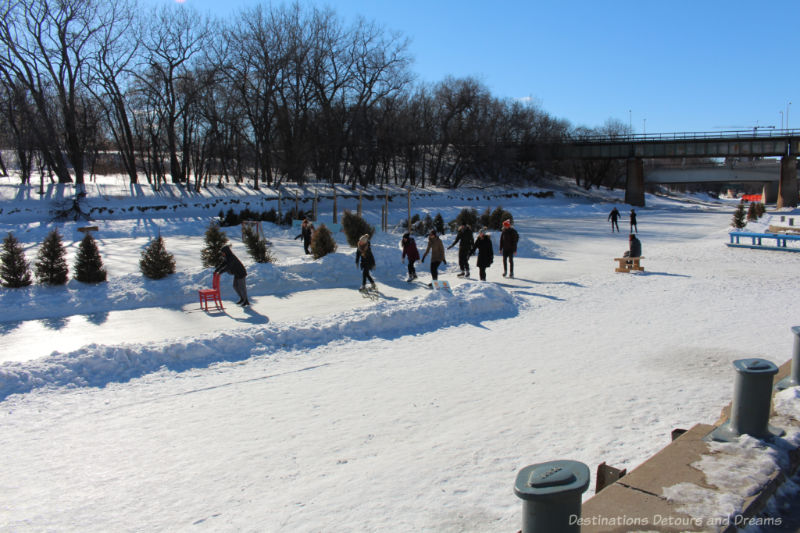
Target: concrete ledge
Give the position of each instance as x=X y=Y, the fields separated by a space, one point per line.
x=635 y=501
x=636 y=498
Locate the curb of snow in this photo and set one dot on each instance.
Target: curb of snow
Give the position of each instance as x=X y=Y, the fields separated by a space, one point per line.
x=98 y=365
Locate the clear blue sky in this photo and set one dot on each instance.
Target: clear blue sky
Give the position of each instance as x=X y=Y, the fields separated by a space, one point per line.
x=660 y=66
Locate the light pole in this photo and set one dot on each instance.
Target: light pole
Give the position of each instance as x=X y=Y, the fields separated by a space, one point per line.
x=787 y=115
x=781 y=112
x=630 y=123
x=644 y=126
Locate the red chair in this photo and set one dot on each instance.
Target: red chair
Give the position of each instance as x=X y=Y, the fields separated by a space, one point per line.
x=211 y=294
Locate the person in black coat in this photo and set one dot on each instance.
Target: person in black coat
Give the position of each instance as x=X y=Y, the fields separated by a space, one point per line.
x=365 y=260
x=508 y=247
x=306 y=231
x=613 y=216
x=232 y=265
x=465 y=242
x=634 y=227
x=483 y=245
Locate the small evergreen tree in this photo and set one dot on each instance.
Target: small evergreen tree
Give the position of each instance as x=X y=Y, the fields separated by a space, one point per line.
x=322 y=242
x=51 y=262
x=156 y=262
x=751 y=212
x=498 y=216
x=215 y=239
x=14 y=269
x=738 y=221
x=760 y=209
x=354 y=227
x=467 y=216
x=256 y=247
x=438 y=224
x=88 y=264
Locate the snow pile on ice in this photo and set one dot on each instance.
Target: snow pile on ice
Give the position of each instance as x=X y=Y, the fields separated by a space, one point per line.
x=98 y=365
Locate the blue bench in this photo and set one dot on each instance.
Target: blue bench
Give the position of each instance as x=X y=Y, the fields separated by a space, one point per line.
x=756 y=240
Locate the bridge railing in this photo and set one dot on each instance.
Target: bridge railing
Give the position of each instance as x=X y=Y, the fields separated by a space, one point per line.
x=756 y=133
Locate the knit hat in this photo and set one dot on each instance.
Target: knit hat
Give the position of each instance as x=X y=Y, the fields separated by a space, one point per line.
x=483 y=231
x=364 y=238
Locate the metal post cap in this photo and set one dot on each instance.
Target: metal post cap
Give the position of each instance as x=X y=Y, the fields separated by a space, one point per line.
x=755 y=366
x=551 y=478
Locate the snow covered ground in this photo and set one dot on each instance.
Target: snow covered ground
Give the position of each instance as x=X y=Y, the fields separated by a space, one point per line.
x=124 y=407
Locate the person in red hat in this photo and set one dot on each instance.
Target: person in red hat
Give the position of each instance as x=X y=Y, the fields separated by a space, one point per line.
x=508 y=246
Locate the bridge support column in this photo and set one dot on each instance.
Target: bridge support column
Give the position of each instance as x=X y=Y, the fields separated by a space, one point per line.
x=787 y=188
x=634 y=182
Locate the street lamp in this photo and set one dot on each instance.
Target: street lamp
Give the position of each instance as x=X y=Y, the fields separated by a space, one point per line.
x=644 y=126
x=787 y=115
x=630 y=123
x=781 y=112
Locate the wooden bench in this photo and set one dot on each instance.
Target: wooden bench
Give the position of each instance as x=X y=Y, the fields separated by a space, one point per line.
x=756 y=240
x=87 y=229
x=626 y=264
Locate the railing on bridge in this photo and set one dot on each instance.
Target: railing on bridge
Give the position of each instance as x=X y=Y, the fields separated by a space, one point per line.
x=756 y=133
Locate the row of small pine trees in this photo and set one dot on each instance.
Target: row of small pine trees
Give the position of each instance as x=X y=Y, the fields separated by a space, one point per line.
x=50 y=267
x=741 y=216
x=156 y=262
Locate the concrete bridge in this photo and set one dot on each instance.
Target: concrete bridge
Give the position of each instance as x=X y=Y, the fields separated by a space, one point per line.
x=783 y=144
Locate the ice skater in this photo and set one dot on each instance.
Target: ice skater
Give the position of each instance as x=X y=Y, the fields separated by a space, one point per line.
x=232 y=265
x=436 y=248
x=613 y=216
x=483 y=245
x=508 y=247
x=365 y=260
x=465 y=242
x=409 y=246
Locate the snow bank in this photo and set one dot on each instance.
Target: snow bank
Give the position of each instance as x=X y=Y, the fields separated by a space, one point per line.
x=98 y=365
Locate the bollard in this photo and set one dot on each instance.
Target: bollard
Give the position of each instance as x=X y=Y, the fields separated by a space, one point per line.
x=752 y=401
x=551 y=494
x=793 y=379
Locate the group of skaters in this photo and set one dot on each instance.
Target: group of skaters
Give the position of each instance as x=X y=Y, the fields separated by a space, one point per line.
x=468 y=246
x=615 y=215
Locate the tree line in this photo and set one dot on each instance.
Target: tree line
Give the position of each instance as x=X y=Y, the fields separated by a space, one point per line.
x=269 y=95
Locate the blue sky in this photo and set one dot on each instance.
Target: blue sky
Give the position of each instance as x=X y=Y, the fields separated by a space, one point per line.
x=659 y=66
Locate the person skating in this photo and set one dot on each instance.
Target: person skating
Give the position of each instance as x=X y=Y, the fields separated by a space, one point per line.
x=436 y=248
x=306 y=231
x=232 y=265
x=613 y=216
x=634 y=227
x=508 y=247
x=409 y=246
x=483 y=245
x=465 y=242
x=365 y=260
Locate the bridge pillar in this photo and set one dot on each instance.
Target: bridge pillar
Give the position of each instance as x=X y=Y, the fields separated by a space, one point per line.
x=634 y=182
x=787 y=188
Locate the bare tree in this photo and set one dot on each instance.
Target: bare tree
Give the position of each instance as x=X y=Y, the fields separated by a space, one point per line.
x=44 y=47
x=172 y=48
